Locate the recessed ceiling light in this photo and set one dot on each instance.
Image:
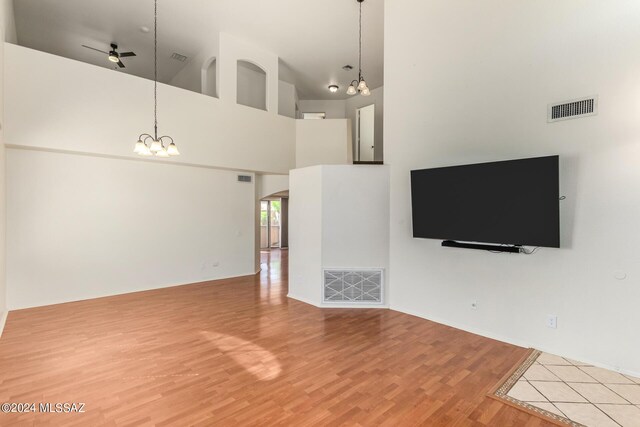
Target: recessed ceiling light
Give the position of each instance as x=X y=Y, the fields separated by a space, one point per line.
x=144 y=29
x=347 y=67
x=333 y=88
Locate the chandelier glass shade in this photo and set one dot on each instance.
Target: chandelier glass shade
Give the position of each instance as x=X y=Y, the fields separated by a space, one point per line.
x=152 y=145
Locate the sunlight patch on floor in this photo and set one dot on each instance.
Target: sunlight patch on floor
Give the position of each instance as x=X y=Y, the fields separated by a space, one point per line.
x=259 y=362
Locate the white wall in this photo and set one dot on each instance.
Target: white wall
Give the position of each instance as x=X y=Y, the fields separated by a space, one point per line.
x=232 y=50
x=209 y=78
x=346 y=109
x=8 y=22
x=82 y=227
x=200 y=75
x=305 y=234
x=57 y=103
x=338 y=218
x=323 y=142
x=189 y=77
x=8 y=33
x=256 y=221
x=333 y=109
x=3 y=198
x=271 y=184
x=480 y=93
x=287 y=98
x=252 y=86
x=376 y=98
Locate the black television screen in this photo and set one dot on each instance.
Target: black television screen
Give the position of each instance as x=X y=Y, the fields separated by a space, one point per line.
x=512 y=202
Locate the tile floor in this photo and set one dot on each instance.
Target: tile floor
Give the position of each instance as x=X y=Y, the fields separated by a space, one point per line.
x=584 y=394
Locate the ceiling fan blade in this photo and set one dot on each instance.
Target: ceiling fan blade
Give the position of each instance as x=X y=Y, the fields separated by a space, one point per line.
x=125 y=54
x=97 y=50
x=120 y=64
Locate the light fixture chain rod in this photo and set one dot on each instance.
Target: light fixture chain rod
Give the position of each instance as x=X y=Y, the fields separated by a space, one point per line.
x=360 y=46
x=155 y=69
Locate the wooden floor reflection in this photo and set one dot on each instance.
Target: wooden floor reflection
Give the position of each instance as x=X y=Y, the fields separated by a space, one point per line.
x=239 y=352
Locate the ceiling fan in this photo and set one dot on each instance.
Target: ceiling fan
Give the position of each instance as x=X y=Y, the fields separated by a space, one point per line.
x=113 y=54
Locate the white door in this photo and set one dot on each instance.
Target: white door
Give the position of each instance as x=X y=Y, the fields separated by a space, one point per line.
x=365 y=133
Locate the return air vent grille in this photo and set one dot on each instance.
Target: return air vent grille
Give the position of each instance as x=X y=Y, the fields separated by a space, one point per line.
x=244 y=178
x=362 y=286
x=178 y=57
x=573 y=109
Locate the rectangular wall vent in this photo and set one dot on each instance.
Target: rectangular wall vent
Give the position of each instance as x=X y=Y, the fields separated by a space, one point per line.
x=178 y=57
x=244 y=178
x=360 y=286
x=573 y=109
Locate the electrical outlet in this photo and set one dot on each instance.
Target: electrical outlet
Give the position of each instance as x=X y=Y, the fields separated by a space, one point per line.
x=474 y=305
x=552 y=321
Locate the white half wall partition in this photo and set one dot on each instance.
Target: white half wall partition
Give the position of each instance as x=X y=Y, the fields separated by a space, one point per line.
x=323 y=142
x=338 y=219
x=60 y=104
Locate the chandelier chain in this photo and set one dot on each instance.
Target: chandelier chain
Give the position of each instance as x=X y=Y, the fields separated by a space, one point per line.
x=360 y=46
x=152 y=145
x=155 y=69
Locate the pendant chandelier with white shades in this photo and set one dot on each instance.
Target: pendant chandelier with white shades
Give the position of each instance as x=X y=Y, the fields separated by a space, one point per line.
x=359 y=85
x=151 y=145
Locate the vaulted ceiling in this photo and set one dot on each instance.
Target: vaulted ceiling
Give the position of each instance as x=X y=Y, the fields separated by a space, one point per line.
x=314 y=39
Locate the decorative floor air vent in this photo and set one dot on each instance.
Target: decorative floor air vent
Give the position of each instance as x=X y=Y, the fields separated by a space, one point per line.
x=353 y=286
x=573 y=109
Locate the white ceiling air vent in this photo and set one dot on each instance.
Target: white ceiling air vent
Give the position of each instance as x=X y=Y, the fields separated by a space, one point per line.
x=178 y=57
x=244 y=178
x=573 y=109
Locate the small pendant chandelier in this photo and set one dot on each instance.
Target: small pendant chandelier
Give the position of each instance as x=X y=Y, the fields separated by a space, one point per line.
x=151 y=145
x=359 y=85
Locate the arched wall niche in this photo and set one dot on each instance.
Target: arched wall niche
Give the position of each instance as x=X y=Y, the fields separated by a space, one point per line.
x=210 y=77
x=251 y=84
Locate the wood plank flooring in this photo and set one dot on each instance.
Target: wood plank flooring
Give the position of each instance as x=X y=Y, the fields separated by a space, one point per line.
x=238 y=352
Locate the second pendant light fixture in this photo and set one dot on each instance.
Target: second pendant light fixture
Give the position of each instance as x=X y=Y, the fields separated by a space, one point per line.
x=359 y=85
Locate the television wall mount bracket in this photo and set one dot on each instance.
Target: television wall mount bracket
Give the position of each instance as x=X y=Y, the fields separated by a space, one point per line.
x=515 y=249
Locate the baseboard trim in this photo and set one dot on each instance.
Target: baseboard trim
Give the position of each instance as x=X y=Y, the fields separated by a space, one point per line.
x=523 y=344
x=304 y=300
x=154 y=288
x=342 y=306
x=3 y=320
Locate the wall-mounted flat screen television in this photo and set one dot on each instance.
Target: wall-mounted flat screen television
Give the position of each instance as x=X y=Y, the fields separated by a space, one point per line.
x=513 y=202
